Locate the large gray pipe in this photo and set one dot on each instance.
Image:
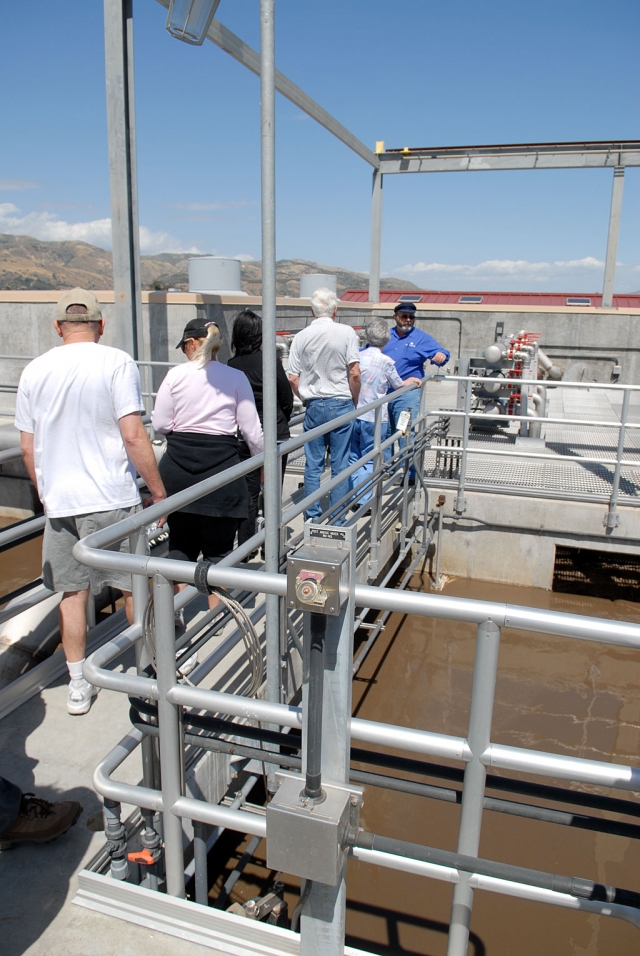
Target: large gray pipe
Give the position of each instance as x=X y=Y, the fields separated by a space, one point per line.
x=553 y=371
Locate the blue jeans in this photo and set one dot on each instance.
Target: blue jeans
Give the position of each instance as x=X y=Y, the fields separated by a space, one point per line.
x=362 y=442
x=410 y=400
x=319 y=411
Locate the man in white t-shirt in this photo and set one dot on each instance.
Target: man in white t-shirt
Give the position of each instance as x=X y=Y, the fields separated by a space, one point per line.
x=324 y=371
x=78 y=410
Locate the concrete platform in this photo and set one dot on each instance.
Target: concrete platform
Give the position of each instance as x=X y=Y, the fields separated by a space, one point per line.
x=518 y=510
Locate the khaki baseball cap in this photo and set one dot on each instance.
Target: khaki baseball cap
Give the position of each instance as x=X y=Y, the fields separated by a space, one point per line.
x=78 y=297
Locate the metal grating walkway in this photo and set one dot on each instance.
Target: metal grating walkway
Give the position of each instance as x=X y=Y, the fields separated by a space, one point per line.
x=561 y=477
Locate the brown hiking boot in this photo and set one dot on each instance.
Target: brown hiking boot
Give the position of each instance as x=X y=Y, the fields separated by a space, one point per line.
x=40 y=821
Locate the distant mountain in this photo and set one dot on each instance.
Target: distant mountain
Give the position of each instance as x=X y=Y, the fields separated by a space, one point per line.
x=27 y=263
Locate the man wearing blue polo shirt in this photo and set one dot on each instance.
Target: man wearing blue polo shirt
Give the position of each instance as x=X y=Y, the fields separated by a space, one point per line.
x=410 y=348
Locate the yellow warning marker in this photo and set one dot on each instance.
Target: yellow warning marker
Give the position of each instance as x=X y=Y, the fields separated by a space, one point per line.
x=379 y=146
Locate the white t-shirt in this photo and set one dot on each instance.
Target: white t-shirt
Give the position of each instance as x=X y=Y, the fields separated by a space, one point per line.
x=70 y=399
x=321 y=355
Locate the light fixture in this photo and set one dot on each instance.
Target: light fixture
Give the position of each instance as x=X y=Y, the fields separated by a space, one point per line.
x=189 y=20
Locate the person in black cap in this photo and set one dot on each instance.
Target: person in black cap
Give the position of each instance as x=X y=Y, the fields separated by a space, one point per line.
x=200 y=406
x=410 y=348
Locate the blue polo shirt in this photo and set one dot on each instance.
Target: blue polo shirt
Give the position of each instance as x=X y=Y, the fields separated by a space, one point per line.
x=412 y=351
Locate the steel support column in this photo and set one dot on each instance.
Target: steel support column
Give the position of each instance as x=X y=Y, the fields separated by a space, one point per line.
x=376 y=236
x=170 y=734
x=479 y=737
x=612 y=241
x=121 y=128
x=322 y=924
x=150 y=838
x=272 y=478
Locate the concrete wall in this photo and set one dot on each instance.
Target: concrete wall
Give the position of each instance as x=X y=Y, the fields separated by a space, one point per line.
x=587 y=341
x=512 y=540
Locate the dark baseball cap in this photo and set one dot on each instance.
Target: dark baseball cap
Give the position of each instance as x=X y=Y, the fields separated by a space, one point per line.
x=405 y=307
x=195 y=329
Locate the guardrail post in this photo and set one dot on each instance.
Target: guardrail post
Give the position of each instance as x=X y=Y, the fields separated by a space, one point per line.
x=478 y=738
x=460 y=503
x=170 y=733
x=150 y=838
x=376 y=497
x=437 y=585
x=322 y=923
x=419 y=464
x=611 y=519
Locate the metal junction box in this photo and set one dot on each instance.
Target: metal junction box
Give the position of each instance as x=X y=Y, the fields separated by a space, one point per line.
x=305 y=838
x=314 y=576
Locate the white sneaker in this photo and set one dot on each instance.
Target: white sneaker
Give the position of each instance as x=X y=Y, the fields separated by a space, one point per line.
x=81 y=698
x=189 y=665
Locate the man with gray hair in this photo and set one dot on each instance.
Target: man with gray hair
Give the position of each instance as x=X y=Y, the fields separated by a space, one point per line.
x=78 y=410
x=379 y=376
x=325 y=373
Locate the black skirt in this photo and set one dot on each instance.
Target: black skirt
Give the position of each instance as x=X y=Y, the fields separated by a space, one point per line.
x=190 y=458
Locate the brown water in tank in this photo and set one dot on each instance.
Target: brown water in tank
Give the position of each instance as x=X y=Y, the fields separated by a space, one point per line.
x=552 y=694
x=21 y=564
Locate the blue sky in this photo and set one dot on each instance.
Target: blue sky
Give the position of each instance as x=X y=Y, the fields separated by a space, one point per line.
x=413 y=73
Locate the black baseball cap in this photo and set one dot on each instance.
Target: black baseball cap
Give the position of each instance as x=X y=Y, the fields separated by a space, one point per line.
x=195 y=329
x=405 y=307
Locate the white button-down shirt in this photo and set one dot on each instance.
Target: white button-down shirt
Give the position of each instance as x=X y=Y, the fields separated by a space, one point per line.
x=379 y=376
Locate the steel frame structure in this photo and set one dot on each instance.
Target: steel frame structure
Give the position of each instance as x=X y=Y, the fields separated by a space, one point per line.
x=523 y=156
x=476 y=752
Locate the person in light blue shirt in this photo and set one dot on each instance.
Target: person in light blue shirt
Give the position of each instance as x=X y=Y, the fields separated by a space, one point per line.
x=410 y=348
x=378 y=377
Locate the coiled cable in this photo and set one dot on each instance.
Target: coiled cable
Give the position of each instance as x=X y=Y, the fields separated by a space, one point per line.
x=245 y=626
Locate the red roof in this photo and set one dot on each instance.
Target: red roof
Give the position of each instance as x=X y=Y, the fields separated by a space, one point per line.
x=558 y=299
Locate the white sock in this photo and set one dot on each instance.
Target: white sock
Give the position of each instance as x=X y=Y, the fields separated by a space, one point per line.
x=75 y=672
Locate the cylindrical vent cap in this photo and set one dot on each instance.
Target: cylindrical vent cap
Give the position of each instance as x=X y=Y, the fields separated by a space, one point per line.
x=315 y=280
x=215 y=275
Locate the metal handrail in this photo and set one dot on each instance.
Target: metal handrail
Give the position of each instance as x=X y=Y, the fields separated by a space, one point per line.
x=476 y=751
x=618 y=463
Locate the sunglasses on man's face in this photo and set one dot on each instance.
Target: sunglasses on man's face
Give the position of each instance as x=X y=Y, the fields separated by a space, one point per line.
x=405 y=315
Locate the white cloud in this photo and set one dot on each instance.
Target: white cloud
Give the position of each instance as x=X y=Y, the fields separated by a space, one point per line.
x=519 y=274
x=504 y=268
x=46 y=226
x=6 y=184
x=244 y=257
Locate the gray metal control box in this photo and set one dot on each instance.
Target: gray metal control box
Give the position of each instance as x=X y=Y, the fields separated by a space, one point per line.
x=314 y=576
x=306 y=838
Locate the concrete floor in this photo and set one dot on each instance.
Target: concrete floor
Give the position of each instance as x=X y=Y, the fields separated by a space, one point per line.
x=43 y=749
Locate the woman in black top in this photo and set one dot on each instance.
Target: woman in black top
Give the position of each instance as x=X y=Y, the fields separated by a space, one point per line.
x=246 y=342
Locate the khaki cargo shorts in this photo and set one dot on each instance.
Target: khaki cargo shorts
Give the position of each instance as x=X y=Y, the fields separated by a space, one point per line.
x=61 y=571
